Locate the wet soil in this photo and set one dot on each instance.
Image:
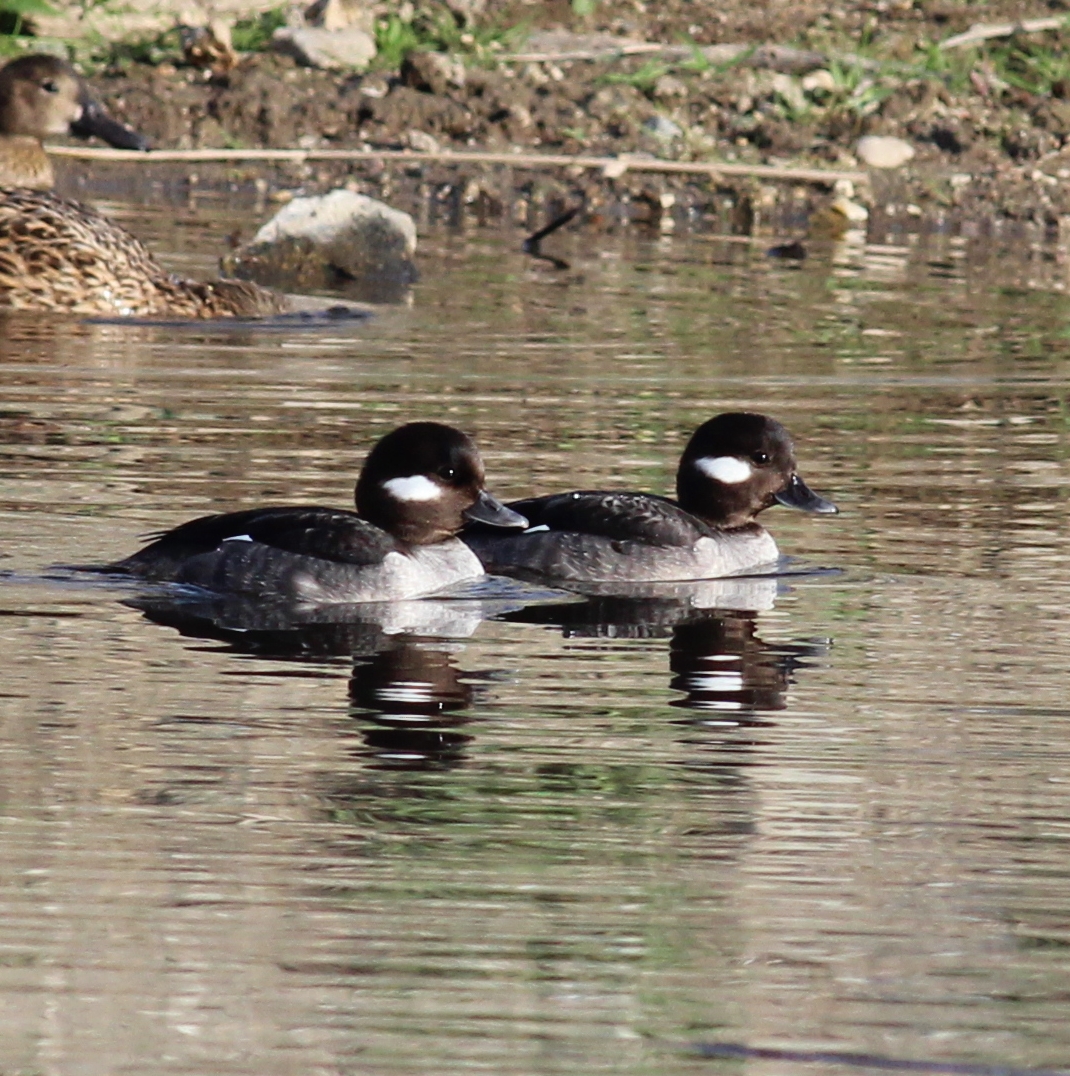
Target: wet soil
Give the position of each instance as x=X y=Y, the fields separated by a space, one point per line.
x=987 y=150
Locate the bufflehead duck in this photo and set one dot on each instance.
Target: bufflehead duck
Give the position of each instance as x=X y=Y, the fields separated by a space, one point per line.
x=60 y=255
x=735 y=466
x=418 y=487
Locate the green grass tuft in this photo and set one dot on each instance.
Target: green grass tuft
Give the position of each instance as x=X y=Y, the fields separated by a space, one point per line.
x=395 y=38
x=254 y=33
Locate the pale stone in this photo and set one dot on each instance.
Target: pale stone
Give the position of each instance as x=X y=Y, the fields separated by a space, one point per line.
x=422 y=142
x=820 y=81
x=521 y=117
x=339 y=239
x=327 y=217
x=789 y=91
x=883 y=151
x=351 y=48
x=855 y=213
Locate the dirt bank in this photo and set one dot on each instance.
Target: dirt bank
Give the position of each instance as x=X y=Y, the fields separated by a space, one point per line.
x=989 y=123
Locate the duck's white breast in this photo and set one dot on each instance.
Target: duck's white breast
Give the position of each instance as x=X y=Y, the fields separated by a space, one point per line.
x=421 y=570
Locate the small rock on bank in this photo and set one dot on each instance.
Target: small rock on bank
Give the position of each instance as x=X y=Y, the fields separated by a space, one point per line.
x=883 y=151
x=340 y=240
x=333 y=50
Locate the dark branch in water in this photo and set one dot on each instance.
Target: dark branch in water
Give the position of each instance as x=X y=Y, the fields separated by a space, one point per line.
x=531 y=244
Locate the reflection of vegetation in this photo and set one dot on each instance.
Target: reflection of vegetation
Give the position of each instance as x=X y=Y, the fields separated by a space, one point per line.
x=595 y=793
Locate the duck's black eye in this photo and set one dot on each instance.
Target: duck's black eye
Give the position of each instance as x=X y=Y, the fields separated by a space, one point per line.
x=760 y=458
x=50 y=86
x=448 y=473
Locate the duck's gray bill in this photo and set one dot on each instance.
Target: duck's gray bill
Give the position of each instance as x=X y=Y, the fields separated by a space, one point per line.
x=95 y=121
x=797 y=494
x=489 y=510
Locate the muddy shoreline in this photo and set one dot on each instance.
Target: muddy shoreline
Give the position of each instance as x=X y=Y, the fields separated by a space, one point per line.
x=984 y=149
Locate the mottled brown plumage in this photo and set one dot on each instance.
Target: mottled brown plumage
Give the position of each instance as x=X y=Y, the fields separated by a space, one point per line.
x=61 y=255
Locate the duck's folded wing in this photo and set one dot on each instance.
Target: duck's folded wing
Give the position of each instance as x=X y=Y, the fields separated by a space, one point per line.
x=327 y=533
x=640 y=517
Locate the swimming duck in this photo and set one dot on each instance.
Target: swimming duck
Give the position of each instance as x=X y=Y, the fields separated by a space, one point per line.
x=41 y=95
x=735 y=466
x=60 y=255
x=419 y=486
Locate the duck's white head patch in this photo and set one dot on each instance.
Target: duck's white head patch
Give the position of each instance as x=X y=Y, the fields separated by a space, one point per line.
x=727 y=469
x=416 y=487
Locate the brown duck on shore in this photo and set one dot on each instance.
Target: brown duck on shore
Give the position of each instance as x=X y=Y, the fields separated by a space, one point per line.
x=63 y=256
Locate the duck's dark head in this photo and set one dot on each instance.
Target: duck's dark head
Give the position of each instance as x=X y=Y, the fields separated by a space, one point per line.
x=423 y=481
x=737 y=465
x=42 y=95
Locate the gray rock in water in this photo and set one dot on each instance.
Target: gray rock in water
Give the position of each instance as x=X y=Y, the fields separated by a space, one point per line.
x=332 y=50
x=340 y=240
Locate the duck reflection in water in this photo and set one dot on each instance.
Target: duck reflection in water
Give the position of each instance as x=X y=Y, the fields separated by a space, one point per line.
x=726 y=671
x=413 y=694
x=406 y=688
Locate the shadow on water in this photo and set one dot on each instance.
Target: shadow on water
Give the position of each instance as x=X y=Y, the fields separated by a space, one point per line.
x=333 y=316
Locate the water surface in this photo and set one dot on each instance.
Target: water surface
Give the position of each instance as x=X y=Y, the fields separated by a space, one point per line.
x=831 y=814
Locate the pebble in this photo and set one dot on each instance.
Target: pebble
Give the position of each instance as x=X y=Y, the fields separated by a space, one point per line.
x=422 y=142
x=662 y=128
x=820 y=80
x=790 y=91
x=883 y=151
